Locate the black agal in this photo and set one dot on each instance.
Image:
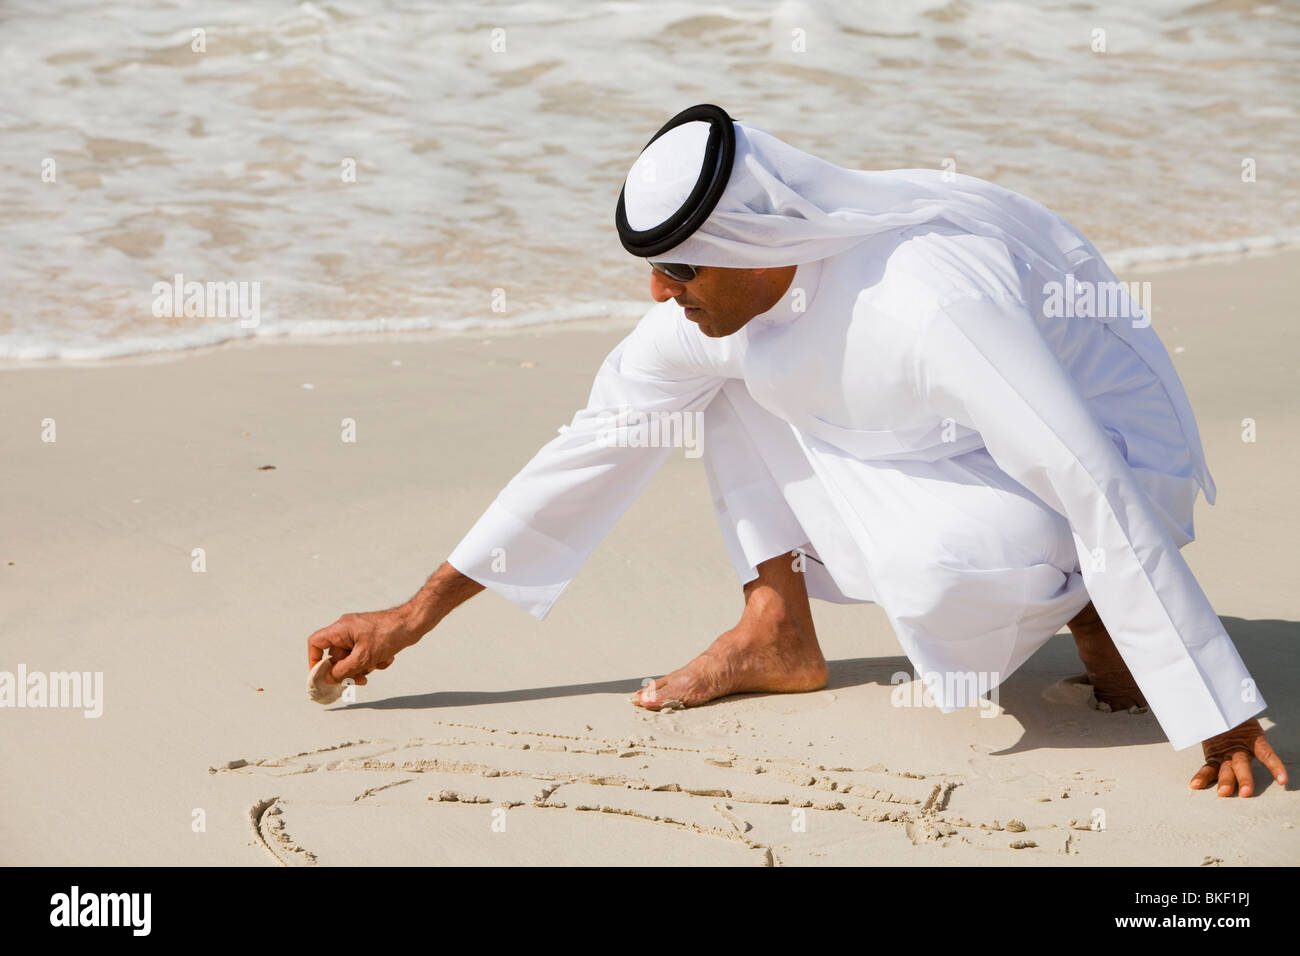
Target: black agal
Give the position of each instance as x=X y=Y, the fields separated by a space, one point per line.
x=719 y=152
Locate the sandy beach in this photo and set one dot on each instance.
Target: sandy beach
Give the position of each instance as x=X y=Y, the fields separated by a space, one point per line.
x=499 y=739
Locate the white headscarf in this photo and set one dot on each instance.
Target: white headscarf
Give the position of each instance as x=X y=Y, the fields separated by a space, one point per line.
x=784 y=207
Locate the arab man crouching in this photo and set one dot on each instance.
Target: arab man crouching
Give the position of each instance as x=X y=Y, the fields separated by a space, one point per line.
x=896 y=409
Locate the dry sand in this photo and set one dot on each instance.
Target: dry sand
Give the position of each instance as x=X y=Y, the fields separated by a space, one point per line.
x=501 y=740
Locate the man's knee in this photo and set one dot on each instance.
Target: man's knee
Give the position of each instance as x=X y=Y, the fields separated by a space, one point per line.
x=950 y=588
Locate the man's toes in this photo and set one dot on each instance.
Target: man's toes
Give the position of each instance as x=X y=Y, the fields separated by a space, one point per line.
x=652 y=694
x=681 y=685
x=677 y=689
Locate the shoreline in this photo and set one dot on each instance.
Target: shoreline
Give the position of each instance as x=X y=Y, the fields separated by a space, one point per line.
x=1194 y=260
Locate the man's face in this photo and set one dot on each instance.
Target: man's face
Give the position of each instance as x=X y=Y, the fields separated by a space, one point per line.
x=720 y=301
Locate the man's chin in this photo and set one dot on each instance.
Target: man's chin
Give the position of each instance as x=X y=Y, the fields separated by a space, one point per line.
x=711 y=330
x=707 y=325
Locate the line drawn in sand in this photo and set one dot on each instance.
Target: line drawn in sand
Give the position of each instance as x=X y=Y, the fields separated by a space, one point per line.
x=747 y=809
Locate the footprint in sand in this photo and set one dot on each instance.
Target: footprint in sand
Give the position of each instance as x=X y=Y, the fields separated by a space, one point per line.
x=1077 y=692
x=488 y=796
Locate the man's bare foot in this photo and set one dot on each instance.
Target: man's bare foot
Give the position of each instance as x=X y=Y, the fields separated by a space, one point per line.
x=1112 y=684
x=773 y=648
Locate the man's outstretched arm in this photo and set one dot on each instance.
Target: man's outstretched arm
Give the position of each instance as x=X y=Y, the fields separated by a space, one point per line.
x=361 y=643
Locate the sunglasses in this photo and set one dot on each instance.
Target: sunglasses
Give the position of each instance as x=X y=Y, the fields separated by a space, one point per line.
x=676 y=271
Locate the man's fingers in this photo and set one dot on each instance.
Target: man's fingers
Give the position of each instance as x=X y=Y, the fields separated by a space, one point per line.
x=1245 y=779
x=347 y=673
x=1227 y=781
x=1203 y=778
x=1269 y=758
x=357 y=664
x=351 y=647
x=317 y=644
x=337 y=639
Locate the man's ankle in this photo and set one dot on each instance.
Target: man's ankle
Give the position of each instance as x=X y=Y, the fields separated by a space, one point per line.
x=1109 y=675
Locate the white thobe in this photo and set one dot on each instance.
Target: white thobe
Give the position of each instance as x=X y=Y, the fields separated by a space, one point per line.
x=914 y=418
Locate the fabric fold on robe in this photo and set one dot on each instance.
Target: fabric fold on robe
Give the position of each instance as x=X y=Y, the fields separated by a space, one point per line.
x=985 y=363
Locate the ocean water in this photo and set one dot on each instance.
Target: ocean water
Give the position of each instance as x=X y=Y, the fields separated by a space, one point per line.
x=366 y=166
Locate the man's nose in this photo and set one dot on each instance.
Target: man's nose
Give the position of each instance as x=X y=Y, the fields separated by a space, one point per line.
x=663 y=288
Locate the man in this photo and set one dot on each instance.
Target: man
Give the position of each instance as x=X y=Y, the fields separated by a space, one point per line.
x=917 y=389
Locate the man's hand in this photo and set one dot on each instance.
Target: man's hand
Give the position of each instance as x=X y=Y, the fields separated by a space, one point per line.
x=1228 y=757
x=361 y=643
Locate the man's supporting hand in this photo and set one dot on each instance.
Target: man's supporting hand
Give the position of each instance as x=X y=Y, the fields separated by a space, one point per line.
x=361 y=643
x=1229 y=755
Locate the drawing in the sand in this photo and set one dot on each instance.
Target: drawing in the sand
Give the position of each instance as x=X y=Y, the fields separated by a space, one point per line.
x=651 y=800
